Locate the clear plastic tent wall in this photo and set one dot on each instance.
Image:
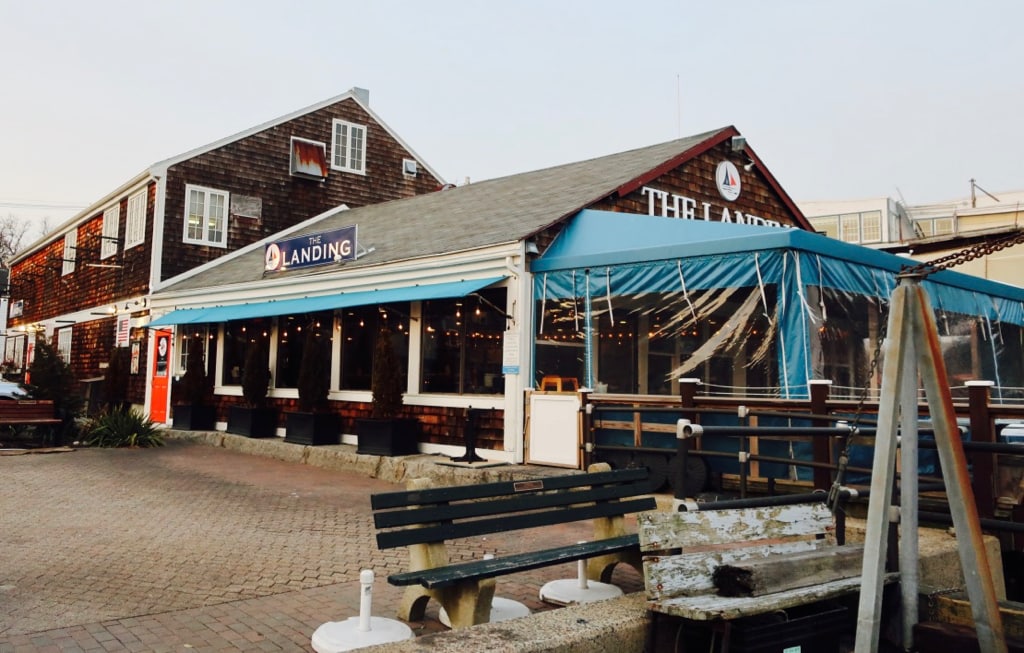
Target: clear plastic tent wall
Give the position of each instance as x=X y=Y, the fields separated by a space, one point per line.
x=634 y=302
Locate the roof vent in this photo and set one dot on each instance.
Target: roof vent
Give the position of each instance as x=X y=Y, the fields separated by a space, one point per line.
x=409 y=167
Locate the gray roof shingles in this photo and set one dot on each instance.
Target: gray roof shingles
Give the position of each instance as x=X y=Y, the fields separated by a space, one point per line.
x=492 y=212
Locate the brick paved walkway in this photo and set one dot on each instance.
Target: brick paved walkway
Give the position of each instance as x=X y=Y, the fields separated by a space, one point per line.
x=191 y=547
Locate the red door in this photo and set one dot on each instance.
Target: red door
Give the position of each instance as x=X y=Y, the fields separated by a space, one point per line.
x=161 y=376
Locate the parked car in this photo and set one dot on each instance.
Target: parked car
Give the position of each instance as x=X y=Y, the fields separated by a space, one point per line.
x=11 y=390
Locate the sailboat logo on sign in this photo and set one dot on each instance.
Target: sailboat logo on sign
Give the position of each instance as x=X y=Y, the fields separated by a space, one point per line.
x=727 y=178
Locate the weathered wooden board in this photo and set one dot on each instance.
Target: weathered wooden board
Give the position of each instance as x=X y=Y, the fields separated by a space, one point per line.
x=709 y=528
x=780 y=573
x=709 y=607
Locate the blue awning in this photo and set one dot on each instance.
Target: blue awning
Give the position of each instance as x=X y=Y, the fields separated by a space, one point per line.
x=322 y=302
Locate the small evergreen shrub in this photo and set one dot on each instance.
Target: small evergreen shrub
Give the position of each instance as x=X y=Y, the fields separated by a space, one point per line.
x=256 y=373
x=386 y=378
x=314 y=375
x=122 y=427
x=194 y=384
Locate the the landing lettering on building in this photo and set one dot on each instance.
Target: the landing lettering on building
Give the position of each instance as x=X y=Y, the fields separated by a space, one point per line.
x=669 y=205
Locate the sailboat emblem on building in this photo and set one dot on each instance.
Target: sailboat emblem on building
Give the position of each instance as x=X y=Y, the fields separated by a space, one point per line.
x=727 y=177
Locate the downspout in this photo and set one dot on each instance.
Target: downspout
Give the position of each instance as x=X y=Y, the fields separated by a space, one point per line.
x=156 y=251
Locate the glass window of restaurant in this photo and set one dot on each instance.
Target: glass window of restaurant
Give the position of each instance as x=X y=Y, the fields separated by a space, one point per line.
x=196 y=339
x=239 y=335
x=643 y=344
x=291 y=338
x=462 y=344
x=359 y=328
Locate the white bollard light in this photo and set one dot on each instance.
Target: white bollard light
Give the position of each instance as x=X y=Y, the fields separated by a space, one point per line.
x=364 y=630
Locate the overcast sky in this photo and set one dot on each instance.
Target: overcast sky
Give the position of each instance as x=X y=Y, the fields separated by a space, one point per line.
x=840 y=100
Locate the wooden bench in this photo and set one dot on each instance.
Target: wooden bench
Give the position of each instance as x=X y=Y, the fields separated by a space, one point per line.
x=687 y=552
x=424 y=518
x=20 y=413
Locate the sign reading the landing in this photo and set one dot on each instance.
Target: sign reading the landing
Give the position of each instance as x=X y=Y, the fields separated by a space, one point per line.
x=312 y=249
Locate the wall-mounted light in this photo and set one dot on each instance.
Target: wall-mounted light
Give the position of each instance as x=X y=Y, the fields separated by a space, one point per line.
x=749 y=165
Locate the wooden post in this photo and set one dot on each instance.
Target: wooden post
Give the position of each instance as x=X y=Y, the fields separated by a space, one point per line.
x=982 y=430
x=821 y=447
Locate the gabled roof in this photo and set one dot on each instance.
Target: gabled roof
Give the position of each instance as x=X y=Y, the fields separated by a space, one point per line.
x=488 y=213
x=357 y=95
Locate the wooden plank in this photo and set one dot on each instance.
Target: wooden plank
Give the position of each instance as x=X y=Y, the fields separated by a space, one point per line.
x=956 y=609
x=499 y=506
x=709 y=607
x=708 y=528
x=779 y=573
x=480 y=569
x=443 y=532
x=691 y=574
x=385 y=500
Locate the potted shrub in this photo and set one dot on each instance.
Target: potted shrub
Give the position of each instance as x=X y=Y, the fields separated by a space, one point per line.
x=193 y=410
x=313 y=423
x=255 y=418
x=384 y=433
x=115 y=380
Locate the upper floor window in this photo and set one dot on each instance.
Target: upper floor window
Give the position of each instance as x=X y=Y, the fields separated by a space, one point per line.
x=108 y=244
x=70 y=246
x=206 y=216
x=135 y=226
x=348 y=147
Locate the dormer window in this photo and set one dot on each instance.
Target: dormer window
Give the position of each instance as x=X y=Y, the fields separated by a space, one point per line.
x=348 y=147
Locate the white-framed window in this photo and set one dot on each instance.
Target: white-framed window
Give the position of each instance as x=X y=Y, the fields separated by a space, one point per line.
x=348 y=147
x=108 y=244
x=64 y=344
x=135 y=225
x=70 y=246
x=849 y=224
x=206 y=216
x=871 y=227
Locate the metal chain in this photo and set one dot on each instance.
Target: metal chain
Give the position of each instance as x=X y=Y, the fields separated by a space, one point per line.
x=984 y=248
x=844 y=457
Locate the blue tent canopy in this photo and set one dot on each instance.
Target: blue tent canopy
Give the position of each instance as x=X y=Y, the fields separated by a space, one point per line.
x=609 y=254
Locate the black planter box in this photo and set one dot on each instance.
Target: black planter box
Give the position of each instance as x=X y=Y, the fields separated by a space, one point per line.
x=312 y=428
x=388 y=437
x=252 y=422
x=194 y=418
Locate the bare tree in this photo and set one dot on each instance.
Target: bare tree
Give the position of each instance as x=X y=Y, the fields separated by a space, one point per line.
x=13 y=233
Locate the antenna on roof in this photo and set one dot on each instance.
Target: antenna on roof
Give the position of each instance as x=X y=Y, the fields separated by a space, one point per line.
x=974 y=199
x=679 y=110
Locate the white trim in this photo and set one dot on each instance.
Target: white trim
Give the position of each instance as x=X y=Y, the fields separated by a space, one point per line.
x=476 y=264
x=84 y=215
x=207 y=193
x=110 y=230
x=135 y=221
x=158 y=170
x=159 y=224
